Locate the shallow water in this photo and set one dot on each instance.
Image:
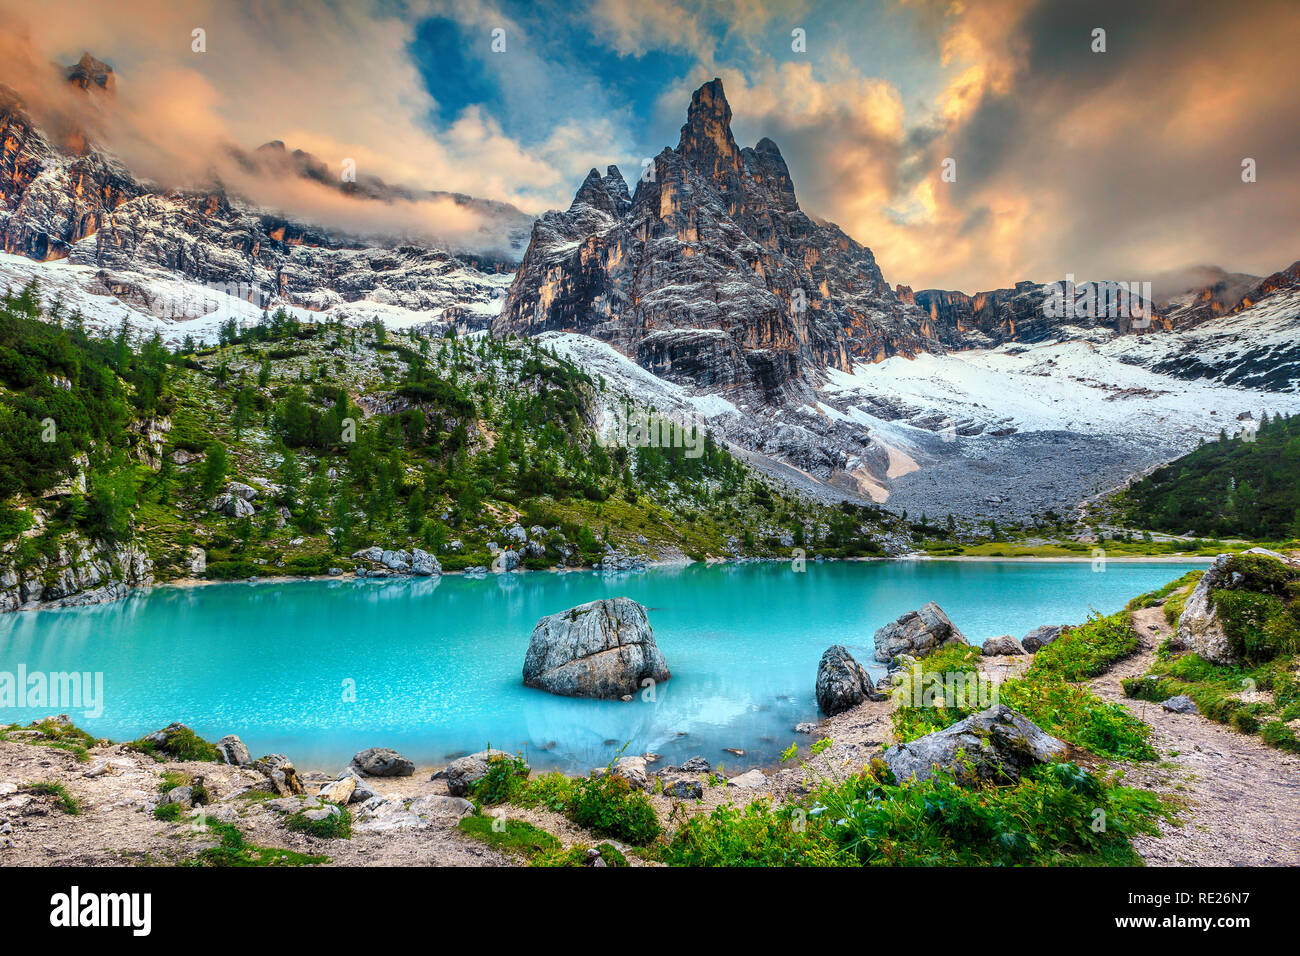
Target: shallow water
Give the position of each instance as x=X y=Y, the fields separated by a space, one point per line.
x=436 y=663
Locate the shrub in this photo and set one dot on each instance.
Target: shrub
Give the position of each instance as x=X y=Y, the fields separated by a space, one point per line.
x=506 y=780
x=62 y=799
x=608 y=805
x=180 y=743
x=517 y=836
x=332 y=827
x=1259 y=627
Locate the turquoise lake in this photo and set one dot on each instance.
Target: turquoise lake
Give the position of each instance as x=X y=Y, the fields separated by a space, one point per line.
x=436 y=663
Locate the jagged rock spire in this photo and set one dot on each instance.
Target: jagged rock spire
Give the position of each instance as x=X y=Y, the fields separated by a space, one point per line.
x=706 y=141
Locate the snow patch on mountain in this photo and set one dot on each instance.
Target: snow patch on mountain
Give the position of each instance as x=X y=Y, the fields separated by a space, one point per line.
x=176 y=306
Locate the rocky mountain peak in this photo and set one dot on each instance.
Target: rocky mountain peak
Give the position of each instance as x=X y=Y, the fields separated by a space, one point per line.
x=706 y=141
x=711 y=276
x=92 y=74
x=606 y=193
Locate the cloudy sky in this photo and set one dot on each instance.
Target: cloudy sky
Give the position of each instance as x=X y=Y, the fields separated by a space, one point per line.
x=1118 y=164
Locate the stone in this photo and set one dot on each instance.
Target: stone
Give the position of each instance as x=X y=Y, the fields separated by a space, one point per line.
x=806 y=727
x=234 y=752
x=463 y=773
x=1040 y=637
x=993 y=746
x=1181 y=704
x=603 y=649
x=750 y=780
x=842 y=682
x=361 y=790
x=917 y=633
x=1002 y=646
x=696 y=765
x=1199 y=627
x=515 y=534
x=340 y=791
x=424 y=564
x=681 y=787
x=383 y=762
x=232 y=506
x=280 y=774
x=631 y=769
x=506 y=561
x=182 y=795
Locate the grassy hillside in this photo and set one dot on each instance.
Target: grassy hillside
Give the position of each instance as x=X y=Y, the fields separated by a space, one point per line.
x=1229 y=487
x=351 y=437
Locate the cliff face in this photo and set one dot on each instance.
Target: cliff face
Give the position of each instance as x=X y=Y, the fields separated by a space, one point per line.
x=987 y=319
x=710 y=274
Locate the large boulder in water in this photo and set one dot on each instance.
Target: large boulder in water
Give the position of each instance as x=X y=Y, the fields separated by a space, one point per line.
x=842 y=682
x=917 y=633
x=993 y=746
x=603 y=649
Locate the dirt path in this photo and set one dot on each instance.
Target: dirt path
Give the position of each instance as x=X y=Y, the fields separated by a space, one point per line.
x=1242 y=797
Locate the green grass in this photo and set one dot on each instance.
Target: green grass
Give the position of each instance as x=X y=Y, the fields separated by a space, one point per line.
x=181 y=744
x=1056 y=815
x=334 y=827
x=170 y=812
x=235 y=851
x=510 y=836
x=1048 y=694
x=1223 y=693
x=58 y=736
x=1087 y=650
x=62 y=799
x=577 y=856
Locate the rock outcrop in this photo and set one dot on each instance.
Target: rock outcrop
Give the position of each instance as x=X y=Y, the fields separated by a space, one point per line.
x=842 y=682
x=917 y=633
x=75 y=573
x=1200 y=628
x=383 y=762
x=1040 y=637
x=461 y=774
x=603 y=649
x=993 y=746
x=1002 y=646
x=710 y=274
x=233 y=751
x=280 y=773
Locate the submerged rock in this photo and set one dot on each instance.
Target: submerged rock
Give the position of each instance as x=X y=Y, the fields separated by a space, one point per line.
x=842 y=682
x=383 y=762
x=994 y=745
x=917 y=633
x=603 y=649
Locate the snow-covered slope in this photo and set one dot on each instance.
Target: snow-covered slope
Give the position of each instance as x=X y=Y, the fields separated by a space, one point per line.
x=1257 y=347
x=172 y=304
